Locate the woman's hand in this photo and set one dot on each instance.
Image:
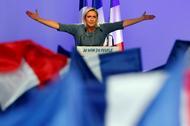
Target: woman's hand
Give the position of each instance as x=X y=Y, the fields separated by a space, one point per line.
x=147 y=17
x=33 y=15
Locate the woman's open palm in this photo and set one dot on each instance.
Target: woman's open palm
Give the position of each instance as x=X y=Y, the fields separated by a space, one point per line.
x=33 y=15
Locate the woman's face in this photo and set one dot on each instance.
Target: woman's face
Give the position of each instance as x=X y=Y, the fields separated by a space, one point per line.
x=91 y=19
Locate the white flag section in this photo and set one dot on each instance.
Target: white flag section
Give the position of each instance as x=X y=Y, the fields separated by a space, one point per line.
x=129 y=95
x=101 y=15
x=93 y=62
x=14 y=84
x=184 y=108
x=114 y=17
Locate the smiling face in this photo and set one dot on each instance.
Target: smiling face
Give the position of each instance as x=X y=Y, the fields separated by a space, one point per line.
x=91 y=19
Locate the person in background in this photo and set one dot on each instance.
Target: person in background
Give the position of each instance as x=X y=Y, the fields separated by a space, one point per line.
x=89 y=33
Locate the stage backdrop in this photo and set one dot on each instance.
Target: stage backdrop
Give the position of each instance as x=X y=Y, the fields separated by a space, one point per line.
x=155 y=38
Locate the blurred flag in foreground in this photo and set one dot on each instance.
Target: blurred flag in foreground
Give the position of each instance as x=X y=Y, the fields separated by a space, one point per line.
x=23 y=65
x=62 y=51
x=143 y=99
x=62 y=102
x=114 y=63
x=127 y=99
x=111 y=63
x=178 y=51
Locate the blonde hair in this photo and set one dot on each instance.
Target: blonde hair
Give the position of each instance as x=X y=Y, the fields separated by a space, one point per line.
x=88 y=10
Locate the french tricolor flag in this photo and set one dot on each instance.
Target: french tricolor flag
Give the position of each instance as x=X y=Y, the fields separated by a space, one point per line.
x=99 y=6
x=114 y=17
x=128 y=99
x=24 y=65
x=141 y=98
x=82 y=7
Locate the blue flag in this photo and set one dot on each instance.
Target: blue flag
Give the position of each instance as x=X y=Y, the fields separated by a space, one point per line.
x=78 y=99
x=109 y=64
x=62 y=102
x=83 y=4
x=121 y=62
x=97 y=4
x=179 y=49
x=166 y=108
x=62 y=51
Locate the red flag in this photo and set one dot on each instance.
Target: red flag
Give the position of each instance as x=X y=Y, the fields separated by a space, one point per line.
x=23 y=65
x=44 y=62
